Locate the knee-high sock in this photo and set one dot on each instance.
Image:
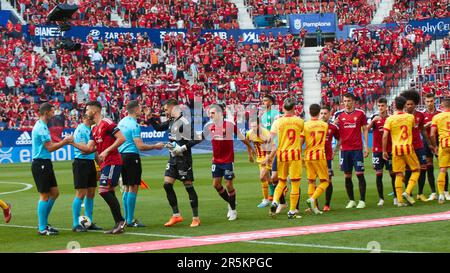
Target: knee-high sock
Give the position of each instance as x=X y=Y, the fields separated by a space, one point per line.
x=125 y=204
x=232 y=198
x=89 y=208
x=76 y=209
x=380 y=185
x=279 y=190
x=407 y=176
x=328 y=194
x=399 y=188
x=223 y=193
x=131 y=206
x=51 y=202
x=42 y=214
x=441 y=182
x=272 y=187
x=3 y=205
x=320 y=189
x=111 y=199
x=193 y=199
x=422 y=177
x=283 y=196
x=393 y=184
x=311 y=188
x=171 y=197
x=431 y=179
x=349 y=188
x=265 y=189
x=412 y=181
x=362 y=186
x=295 y=194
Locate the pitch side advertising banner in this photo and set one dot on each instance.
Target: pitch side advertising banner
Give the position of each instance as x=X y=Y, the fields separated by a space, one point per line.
x=155 y=35
x=16 y=145
x=326 y=21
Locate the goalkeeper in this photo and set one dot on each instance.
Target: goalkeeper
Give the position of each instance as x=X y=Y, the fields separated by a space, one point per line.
x=181 y=137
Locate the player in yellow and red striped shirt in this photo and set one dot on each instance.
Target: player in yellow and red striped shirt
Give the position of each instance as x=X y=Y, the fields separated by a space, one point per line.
x=288 y=129
x=260 y=137
x=400 y=127
x=440 y=125
x=314 y=135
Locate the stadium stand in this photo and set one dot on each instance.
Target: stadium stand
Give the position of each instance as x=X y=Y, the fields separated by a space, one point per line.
x=219 y=70
x=349 y=11
x=404 y=10
x=201 y=14
x=368 y=65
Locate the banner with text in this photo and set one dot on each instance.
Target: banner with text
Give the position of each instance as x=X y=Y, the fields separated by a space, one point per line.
x=326 y=21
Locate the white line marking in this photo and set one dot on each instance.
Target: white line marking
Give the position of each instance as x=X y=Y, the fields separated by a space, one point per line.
x=252 y=242
x=328 y=247
x=27 y=187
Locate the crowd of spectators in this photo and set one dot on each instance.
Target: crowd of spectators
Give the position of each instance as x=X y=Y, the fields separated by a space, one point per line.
x=434 y=77
x=198 y=14
x=114 y=72
x=368 y=65
x=349 y=12
x=404 y=10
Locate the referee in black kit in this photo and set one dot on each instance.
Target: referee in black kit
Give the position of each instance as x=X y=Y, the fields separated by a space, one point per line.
x=42 y=167
x=181 y=137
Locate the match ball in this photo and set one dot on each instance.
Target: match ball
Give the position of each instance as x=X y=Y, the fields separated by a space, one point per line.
x=84 y=221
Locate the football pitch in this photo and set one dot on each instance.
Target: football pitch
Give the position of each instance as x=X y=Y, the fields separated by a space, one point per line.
x=20 y=235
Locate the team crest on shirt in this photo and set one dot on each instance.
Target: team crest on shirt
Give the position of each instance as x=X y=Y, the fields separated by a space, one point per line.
x=355 y=118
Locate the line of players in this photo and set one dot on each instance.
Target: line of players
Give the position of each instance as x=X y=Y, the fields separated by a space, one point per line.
x=117 y=149
x=351 y=126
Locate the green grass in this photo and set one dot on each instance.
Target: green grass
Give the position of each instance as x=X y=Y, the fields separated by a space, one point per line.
x=153 y=210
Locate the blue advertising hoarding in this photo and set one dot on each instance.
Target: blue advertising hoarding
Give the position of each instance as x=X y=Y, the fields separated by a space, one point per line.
x=326 y=21
x=438 y=28
x=155 y=35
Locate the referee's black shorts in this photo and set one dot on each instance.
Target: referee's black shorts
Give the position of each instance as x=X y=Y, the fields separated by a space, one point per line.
x=84 y=173
x=131 y=169
x=43 y=174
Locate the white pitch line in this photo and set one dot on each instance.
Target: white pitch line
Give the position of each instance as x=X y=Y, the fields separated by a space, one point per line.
x=252 y=242
x=329 y=247
x=27 y=187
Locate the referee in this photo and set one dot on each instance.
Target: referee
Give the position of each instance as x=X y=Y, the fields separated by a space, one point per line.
x=42 y=168
x=132 y=169
x=181 y=135
x=84 y=176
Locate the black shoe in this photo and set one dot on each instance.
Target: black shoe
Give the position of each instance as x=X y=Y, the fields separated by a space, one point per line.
x=94 y=227
x=273 y=209
x=79 y=228
x=118 y=228
x=136 y=223
x=47 y=232
x=52 y=229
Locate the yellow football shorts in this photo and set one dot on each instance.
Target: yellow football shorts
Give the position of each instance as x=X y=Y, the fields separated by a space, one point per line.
x=399 y=162
x=444 y=157
x=317 y=168
x=293 y=169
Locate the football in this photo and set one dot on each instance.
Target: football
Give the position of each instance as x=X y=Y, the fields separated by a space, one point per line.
x=84 y=221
